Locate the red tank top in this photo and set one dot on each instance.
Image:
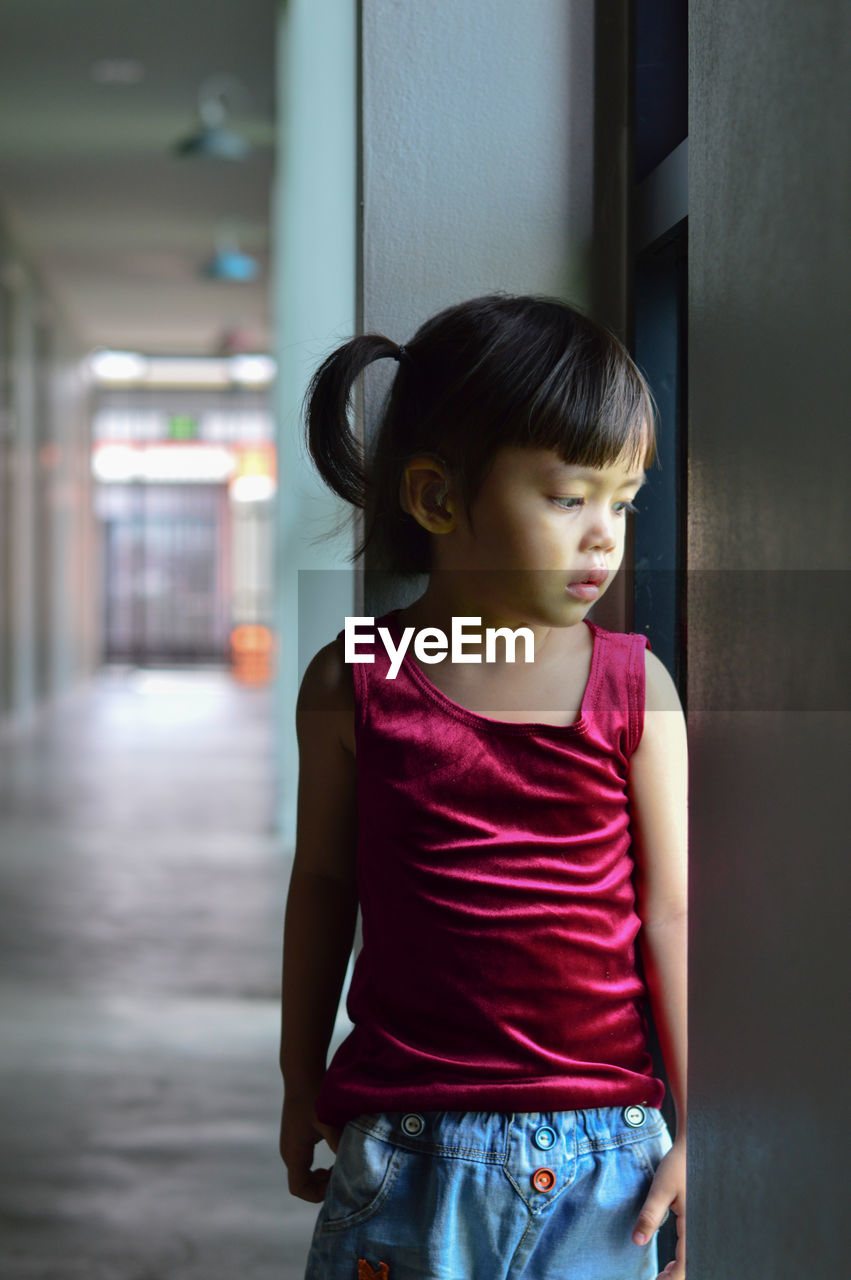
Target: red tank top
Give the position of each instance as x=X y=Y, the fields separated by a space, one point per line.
x=495 y=876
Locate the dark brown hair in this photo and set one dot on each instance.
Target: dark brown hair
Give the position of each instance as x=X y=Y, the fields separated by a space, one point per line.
x=492 y=372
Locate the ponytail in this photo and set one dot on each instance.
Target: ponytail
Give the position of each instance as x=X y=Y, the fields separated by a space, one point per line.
x=333 y=446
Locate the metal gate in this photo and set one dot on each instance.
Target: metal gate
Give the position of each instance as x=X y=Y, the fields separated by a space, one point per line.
x=166 y=572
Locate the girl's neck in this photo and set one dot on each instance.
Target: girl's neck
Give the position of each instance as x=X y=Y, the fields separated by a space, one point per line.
x=547 y=691
x=450 y=595
x=454 y=595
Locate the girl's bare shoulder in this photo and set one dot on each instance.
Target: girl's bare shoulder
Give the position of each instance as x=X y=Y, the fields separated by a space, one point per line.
x=327 y=688
x=660 y=690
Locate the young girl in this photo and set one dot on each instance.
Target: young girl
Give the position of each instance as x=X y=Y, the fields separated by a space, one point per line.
x=513 y=831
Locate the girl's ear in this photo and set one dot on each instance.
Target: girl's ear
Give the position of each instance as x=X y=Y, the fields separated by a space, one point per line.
x=425 y=492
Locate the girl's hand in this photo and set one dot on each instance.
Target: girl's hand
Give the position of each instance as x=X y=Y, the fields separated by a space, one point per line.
x=668 y=1191
x=300 y=1132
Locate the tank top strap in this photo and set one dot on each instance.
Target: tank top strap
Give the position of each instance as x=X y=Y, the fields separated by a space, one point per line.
x=617 y=708
x=376 y=695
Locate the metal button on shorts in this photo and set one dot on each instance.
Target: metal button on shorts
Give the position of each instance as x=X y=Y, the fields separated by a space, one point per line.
x=634 y=1116
x=413 y=1124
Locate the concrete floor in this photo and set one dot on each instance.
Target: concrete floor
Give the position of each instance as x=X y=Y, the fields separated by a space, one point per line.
x=141 y=893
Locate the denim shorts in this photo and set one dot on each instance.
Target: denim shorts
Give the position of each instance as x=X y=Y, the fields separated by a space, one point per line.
x=451 y=1195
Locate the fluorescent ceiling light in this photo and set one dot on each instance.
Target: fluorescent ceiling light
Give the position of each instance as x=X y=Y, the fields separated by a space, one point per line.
x=115 y=464
x=187 y=371
x=164 y=464
x=117 y=366
x=252 y=488
x=252 y=371
x=201 y=463
x=129 y=367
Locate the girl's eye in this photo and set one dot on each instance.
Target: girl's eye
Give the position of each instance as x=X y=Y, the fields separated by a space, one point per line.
x=573 y=504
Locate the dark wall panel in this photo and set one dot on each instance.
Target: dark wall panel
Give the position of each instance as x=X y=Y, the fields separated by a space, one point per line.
x=661 y=80
x=767 y=633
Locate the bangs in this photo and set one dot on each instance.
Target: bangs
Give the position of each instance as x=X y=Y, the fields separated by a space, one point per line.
x=594 y=409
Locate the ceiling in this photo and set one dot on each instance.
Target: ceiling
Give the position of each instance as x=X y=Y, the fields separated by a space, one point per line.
x=90 y=187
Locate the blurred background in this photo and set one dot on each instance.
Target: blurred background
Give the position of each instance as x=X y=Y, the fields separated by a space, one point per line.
x=142 y=869
x=199 y=199
x=138 y=446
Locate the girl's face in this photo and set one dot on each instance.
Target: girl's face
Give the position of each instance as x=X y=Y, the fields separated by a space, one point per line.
x=544 y=539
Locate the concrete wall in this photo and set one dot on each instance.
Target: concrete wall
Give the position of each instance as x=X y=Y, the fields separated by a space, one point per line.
x=477 y=154
x=48 y=594
x=22 y=514
x=768 y=616
x=478 y=166
x=314 y=297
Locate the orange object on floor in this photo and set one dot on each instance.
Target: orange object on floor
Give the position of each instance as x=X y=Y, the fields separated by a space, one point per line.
x=252 y=651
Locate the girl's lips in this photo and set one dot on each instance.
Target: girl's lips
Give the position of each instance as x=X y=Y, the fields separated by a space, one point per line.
x=587 y=587
x=586 y=591
x=596 y=576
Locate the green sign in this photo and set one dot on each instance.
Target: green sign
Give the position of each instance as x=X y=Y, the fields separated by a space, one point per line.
x=182 y=427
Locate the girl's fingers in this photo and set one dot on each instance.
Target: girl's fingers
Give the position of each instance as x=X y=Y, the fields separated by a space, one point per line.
x=309 y=1184
x=651 y=1217
x=676 y=1269
x=331 y=1136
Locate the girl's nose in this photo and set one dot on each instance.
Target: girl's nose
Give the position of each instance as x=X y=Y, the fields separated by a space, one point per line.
x=599 y=536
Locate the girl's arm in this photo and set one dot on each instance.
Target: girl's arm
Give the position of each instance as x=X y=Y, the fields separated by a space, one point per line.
x=658 y=784
x=321 y=908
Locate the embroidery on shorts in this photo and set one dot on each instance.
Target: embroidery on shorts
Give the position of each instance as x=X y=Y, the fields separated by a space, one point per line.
x=365 y=1271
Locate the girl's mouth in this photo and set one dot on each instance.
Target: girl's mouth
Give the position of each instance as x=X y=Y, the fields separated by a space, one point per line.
x=587 y=587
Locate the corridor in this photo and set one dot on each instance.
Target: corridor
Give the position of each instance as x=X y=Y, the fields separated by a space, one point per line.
x=141 y=892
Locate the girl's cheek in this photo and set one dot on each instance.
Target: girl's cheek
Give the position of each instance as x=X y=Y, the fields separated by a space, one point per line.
x=615 y=558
